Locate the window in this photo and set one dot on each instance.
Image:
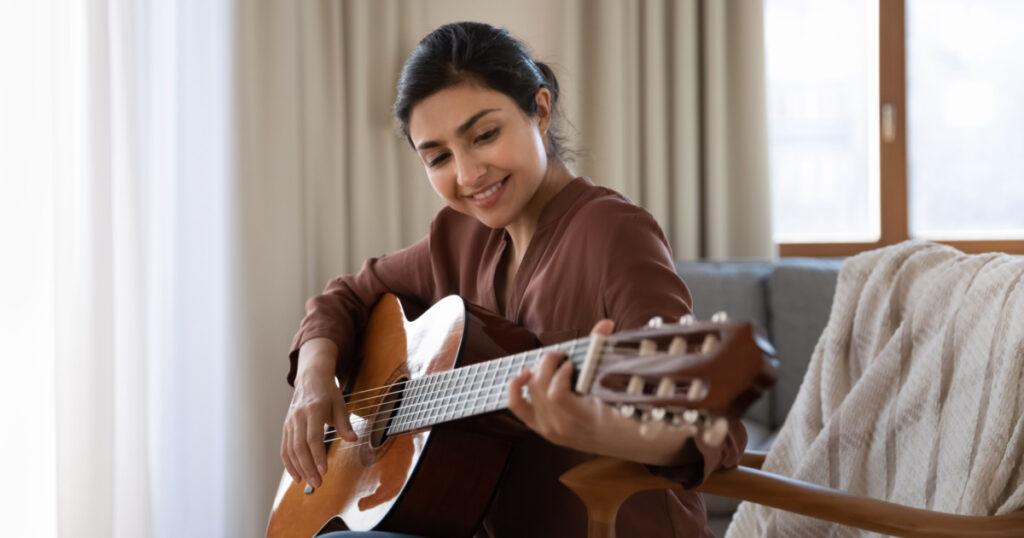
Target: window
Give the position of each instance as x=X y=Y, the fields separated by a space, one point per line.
x=844 y=78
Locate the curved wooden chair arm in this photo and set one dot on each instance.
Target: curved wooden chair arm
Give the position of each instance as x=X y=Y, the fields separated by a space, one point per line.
x=860 y=512
x=753 y=459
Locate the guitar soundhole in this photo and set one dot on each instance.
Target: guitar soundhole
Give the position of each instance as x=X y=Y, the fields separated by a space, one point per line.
x=385 y=414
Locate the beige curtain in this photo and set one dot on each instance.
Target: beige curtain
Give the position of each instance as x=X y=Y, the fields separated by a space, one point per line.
x=671 y=108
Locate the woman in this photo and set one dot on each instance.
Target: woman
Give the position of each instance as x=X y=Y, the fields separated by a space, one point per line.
x=522 y=236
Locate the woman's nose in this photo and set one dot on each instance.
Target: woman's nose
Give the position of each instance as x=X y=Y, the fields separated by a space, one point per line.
x=470 y=171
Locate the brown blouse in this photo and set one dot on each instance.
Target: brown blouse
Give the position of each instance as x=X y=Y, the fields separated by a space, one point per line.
x=594 y=255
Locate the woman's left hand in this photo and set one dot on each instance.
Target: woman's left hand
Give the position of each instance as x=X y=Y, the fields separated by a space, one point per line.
x=583 y=422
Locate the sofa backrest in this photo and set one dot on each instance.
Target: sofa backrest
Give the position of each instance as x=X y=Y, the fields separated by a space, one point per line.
x=788 y=300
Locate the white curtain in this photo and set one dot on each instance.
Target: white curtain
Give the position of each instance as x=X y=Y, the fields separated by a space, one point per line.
x=143 y=234
x=137 y=224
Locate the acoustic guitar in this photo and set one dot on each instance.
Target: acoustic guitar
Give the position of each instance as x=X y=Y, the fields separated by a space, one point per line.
x=419 y=468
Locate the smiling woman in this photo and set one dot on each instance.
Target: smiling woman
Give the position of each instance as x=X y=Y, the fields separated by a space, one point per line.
x=525 y=238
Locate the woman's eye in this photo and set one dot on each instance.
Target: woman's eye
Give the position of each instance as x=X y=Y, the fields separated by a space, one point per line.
x=437 y=160
x=488 y=135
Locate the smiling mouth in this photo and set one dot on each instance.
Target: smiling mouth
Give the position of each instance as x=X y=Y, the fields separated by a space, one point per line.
x=493 y=189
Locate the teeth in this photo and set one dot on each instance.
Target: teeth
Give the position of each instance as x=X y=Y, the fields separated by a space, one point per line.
x=489 y=191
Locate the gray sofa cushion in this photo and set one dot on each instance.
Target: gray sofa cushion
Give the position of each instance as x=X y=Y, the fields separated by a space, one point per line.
x=738 y=289
x=800 y=294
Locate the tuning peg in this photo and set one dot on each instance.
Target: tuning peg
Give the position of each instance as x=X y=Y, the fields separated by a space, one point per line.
x=710 y=341
x=697 y=391
x=688 y=319
x=678 y=346
x=717 y=432
x=691 y=416
x=719 y=317
x=658 y=414
x=666 y=387
x=636 y=385
x=655 y=322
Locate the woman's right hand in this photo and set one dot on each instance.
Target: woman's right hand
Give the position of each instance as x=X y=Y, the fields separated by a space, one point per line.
x=317 y=400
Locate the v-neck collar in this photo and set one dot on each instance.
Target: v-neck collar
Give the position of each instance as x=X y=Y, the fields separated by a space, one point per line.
x=553 y=212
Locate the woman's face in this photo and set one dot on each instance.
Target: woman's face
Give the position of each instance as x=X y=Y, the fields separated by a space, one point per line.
x=482 y=153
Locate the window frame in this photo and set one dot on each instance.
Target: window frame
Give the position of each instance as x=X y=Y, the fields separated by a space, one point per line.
x=894 y=213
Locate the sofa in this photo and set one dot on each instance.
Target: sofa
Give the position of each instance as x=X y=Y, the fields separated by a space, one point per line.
x=789 y=302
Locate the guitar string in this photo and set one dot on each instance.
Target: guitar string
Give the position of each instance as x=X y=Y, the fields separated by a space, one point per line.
x=623 y=354
x=470 y=401
x=554 y=349
x=705 y=417
x=453 y=372
x=440 y=389
x=441 y=386
x=440 y=378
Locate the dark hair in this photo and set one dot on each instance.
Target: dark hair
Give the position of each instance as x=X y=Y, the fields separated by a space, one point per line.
x=475 y=53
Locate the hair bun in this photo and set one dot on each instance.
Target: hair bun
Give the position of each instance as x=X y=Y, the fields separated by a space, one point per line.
x=550 y=80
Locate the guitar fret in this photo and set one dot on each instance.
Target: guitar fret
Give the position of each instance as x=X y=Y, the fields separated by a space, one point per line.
x=479 y=385
x=460 y=400
x=399 y=414
x=443 y=396
x=455 y=392
x=470 y=390
x=427 y=405
x=501 y=394
x=494 y=393
x=471 y=383
x=404 y=410
x=408 y=404
x=488 y=384
x=416 y=401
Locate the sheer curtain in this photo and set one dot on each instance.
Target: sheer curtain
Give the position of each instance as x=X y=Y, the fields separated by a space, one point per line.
x=142 y=237
x=136 y=269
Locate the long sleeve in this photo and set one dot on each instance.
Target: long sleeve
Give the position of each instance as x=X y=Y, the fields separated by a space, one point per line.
x=342 y=310
x=640 y=281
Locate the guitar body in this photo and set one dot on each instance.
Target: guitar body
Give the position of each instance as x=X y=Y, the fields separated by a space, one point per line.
x=434 y=481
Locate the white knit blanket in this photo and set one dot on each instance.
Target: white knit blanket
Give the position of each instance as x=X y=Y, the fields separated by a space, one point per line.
x=914 y=393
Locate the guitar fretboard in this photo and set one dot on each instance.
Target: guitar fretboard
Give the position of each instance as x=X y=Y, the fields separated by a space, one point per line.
x=470 y=390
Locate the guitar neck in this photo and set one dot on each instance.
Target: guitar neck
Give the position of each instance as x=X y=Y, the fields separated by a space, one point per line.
x=470 y=390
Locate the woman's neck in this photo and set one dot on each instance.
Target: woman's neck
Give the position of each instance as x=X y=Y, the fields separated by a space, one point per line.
x=521 y=230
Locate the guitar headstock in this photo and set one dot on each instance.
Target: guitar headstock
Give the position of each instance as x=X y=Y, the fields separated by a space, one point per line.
x=695 y=373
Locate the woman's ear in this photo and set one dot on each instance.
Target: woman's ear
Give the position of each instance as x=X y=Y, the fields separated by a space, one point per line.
x=543 y=98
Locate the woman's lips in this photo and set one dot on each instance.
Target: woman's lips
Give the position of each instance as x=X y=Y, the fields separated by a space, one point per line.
x=489 y=196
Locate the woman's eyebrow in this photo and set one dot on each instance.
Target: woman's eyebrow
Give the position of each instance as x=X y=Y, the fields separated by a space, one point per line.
x=461 y=129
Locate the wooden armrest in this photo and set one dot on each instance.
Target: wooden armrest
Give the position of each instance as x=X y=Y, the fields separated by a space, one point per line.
x=753 y=459
x=861 y=512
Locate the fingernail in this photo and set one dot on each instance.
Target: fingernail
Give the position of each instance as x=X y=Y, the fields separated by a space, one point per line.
x=322 y=468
